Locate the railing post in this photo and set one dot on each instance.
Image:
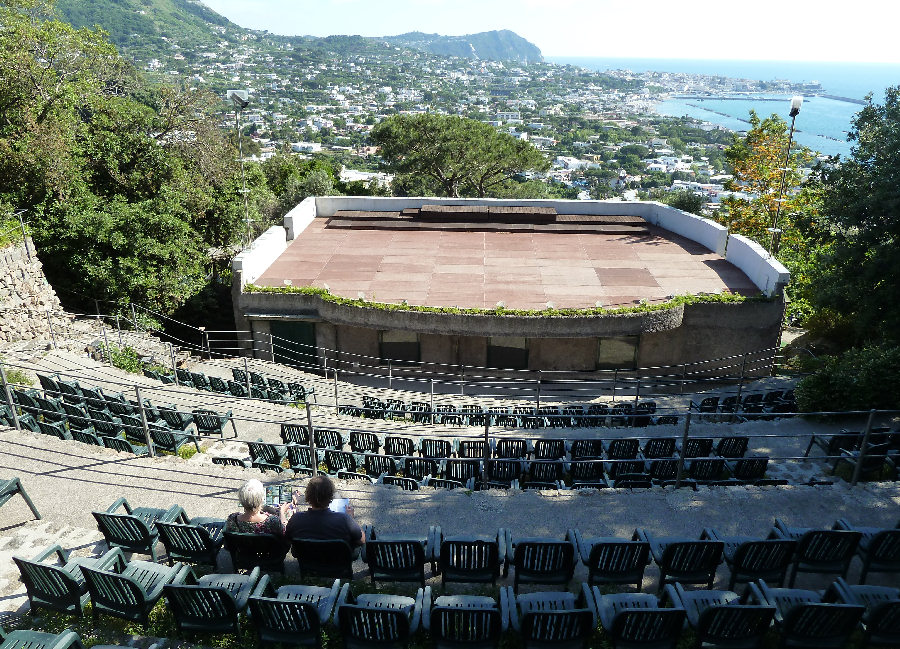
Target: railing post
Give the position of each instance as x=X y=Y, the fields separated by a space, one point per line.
x=615 y=382
x=150 y=449
x=390 y=374
x=272 y=347
x=9 y=398
x=325 y=364
x=119 y=329
x=50 y=327
x=336 y=392
x=637 y=392
x=312 y=440
x=24 y=235
x=537 y=400
x=105 y=341
x=683 y=377
x=741 y=382
x=431 y=402
x=174 y=364
x=862 y=449
x=247 y=377
x=487 y=443
x=134 y=317
x=684 y=440
x=205 y=343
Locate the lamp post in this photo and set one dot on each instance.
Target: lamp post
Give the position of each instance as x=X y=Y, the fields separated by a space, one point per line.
x=796 y=103
x=241 y=99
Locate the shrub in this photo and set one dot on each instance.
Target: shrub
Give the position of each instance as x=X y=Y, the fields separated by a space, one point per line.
x=857 y=379
x=125 y=358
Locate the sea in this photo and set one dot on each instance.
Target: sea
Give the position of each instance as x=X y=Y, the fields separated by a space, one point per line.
x=822 y=124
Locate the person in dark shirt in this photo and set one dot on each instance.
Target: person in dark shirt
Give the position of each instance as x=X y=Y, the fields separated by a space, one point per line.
x=319 y=522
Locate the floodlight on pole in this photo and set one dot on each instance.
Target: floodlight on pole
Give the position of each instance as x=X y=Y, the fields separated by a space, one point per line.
x=241 y=99
x=796 y=103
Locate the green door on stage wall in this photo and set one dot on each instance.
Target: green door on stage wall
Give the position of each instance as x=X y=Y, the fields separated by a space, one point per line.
x=294 y=343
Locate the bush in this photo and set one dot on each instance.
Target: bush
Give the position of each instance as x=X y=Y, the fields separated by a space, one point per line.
x=125 y=358
x=857 y=379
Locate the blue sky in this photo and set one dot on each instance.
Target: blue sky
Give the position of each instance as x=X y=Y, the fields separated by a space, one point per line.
x=762 y=30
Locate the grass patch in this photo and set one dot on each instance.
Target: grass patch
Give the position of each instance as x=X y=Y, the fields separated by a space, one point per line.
x=17 y=377
x=188 y=451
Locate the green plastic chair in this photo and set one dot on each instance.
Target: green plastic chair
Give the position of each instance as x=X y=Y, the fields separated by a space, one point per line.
x=378 y=621
x=633 y=620
x=61 y=587
x=210 y=422
x=471 y=621
x=51 y=409
x=170 y=441
x=13 y=486
x=559 y=620
x=197 y=543
x=215 y=603
x=132 y=592
x=39 y=640
x=135 y=530
x=54 y=429
x=807 y=619
x=293 y=615
x=124 y=446
x=250 y=550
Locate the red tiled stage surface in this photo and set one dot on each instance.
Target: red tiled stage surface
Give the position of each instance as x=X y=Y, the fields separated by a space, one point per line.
x=524 y=270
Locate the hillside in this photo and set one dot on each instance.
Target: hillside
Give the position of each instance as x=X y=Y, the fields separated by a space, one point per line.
x=501 y=45
x=142 y=24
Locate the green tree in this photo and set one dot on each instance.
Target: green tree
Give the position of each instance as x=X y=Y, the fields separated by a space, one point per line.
x=685 y=200
x=126 y=185
x=856 y=274
x=757 y=161
x=458 y=156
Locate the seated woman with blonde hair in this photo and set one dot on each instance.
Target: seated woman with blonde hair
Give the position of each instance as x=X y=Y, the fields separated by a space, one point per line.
x=254 y=519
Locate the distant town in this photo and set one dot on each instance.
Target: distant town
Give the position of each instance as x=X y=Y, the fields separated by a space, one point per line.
x=322 y=97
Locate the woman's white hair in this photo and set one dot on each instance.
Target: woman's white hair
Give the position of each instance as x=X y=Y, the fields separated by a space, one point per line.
x=252 y=494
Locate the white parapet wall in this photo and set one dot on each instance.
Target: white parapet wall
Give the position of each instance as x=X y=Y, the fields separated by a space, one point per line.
x=696 y=228
x=299 y=218
x=764 y=270
x=253 y=262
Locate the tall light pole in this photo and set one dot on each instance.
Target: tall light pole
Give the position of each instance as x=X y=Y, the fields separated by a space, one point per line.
x=796 y=103
x=241 y=99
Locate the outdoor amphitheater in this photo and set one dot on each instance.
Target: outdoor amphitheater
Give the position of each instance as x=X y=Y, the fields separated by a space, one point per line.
x=534 y=504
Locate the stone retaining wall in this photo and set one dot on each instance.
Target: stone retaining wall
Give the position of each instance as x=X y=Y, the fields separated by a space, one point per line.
x=26 y=298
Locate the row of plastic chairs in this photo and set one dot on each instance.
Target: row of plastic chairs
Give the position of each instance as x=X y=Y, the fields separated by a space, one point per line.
x=260 y=387
x=592 y=448
x=772 y=402
x=116 y=405
x=570 y=416
x=296 y=614
x=821 y=551
x=122 y=432
x=414 y=473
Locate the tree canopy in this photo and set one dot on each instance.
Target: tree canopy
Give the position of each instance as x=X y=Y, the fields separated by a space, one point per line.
x=126 y=186
x=453 y=156
x=758 y=162
x=857 y=274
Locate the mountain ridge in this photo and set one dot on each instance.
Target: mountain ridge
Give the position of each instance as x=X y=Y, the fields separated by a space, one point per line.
x=147 y=24
x=495 y=45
